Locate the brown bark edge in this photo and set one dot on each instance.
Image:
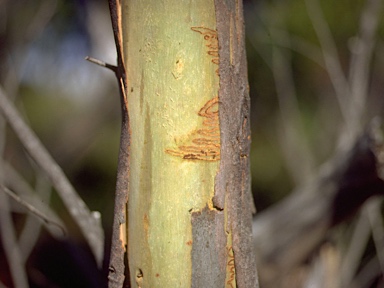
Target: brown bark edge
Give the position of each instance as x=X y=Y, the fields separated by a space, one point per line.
x=118 y=258
x=208 y=239
x=232 y=183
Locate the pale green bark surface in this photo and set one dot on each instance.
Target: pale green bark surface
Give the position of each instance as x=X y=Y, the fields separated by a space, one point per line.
x=172 y=85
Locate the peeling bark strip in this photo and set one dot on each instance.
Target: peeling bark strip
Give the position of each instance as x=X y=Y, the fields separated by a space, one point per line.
x=208 y=249
x=117 y=270
x=233 y=180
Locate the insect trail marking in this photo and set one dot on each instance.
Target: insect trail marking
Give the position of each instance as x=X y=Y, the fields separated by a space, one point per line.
x=204 y=144
x=231 y=267
x=212 y=43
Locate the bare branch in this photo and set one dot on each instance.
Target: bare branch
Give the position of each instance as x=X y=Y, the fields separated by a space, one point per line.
x=332 y=62
x=299 y=45
x=17 y=183
x=368 y=272
x=294 y=146
x=101 y=63
x=11 y=249
x=304 y=217
x=32 y=227
x=355 y=250
x=362 y=49
x=40 y=20
x=88 y=223
x=31 y=208
x=373 y=212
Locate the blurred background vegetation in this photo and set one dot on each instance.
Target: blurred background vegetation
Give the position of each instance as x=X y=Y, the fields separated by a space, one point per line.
x=73 y=105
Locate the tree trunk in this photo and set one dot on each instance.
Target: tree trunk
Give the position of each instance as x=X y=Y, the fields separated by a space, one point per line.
x=189 y=205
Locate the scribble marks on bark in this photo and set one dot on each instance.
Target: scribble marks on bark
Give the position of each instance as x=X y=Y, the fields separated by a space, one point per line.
x=210 y=36
x=203 y=144
x=231 y=273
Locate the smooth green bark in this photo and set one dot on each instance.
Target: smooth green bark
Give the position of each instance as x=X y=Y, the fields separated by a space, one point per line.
x=171 y=60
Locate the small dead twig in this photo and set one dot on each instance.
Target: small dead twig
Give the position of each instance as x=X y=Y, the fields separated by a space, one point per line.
x=101 y=63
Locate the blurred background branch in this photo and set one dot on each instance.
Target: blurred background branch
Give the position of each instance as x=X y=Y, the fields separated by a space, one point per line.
x=334 y=105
